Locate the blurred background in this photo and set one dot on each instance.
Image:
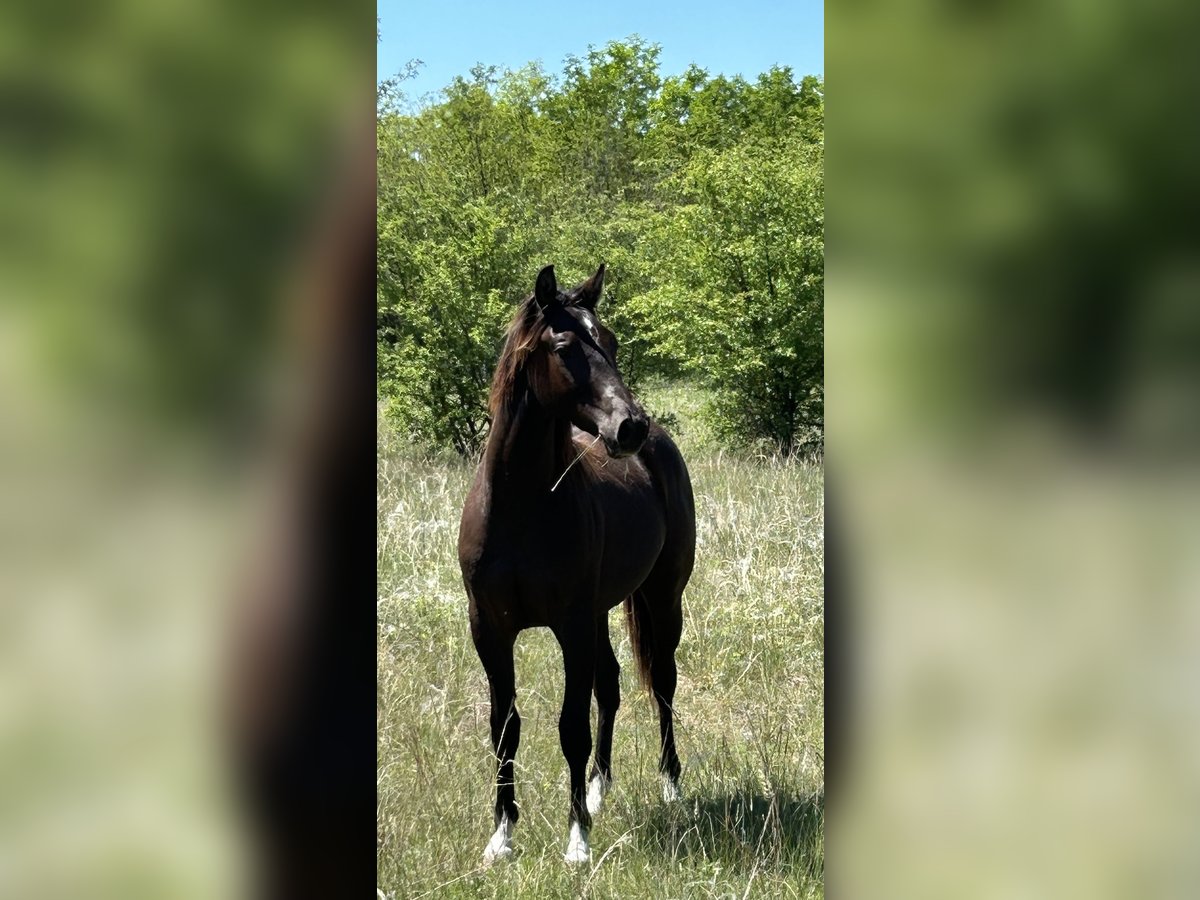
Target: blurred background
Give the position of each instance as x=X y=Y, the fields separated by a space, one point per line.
x=188 y=203
x=1012 y=420
x=1012 y=320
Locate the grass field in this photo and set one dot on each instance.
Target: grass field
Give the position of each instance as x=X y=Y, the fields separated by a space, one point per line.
x=749 y=703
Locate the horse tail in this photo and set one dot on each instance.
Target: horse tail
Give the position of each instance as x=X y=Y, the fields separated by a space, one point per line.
x=641 y=636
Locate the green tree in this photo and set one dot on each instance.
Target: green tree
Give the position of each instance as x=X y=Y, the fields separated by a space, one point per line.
x=740 y=299
x=601 y=115
x=701 y=194
x=453 y=239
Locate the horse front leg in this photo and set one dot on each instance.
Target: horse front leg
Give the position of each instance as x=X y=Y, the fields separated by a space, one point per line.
x=607 y=689
x=496 y=653
x=578 y=643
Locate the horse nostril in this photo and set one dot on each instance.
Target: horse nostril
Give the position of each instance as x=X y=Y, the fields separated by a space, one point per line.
x=632 y=433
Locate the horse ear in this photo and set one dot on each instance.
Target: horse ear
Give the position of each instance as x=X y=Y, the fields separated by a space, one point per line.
x=546 y=290
x=590 y=291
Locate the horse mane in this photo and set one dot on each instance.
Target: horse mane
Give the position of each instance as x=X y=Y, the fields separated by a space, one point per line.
x=522 y=337
x=520 y=341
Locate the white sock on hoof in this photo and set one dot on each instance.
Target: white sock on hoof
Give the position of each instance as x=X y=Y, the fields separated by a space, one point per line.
x=500 y=846
x=671 y=791
x=597 y=788
x=577 y=845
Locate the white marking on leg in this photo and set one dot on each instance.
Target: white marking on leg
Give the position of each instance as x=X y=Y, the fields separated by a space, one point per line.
x=577 y=845
x=597 y=788
x=671 y=792
x=500 y=846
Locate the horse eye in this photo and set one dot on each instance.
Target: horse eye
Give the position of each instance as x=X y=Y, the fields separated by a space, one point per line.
x=562 y=348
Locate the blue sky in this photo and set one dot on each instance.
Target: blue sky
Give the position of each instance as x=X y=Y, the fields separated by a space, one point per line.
x=730 y=37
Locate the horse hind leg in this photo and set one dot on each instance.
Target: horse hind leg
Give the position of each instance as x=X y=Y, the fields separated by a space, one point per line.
x=608 y=700
x=656 y=626
x=668 y=626
x=496 y=654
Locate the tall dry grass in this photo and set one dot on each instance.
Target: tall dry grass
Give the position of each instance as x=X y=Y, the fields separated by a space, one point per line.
x=749 y=703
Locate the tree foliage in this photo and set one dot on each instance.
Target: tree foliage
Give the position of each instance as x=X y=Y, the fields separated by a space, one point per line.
x=702 y=194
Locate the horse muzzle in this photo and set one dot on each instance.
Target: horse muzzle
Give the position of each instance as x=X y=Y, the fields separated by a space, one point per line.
x=631 y=434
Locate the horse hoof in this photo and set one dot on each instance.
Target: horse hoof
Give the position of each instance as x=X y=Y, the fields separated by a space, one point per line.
x=492 y=855
x=597 y=788
x=671 y=792
x=578 y=851
x=500 y=846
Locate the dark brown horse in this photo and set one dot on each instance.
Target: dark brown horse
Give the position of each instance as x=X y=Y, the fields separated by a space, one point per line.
x=542 y=548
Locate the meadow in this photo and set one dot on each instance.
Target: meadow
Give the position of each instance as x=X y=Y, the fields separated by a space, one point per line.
x=749 y=704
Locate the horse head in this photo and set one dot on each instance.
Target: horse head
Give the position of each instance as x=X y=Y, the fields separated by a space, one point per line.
x=573 y=367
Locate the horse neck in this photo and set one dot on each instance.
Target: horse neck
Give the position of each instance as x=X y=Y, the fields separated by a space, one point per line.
x=526 y=448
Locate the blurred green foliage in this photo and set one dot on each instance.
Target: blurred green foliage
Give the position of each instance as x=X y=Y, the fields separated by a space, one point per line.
x=703 y=195
x=159 y=167
x=1012 y=333
x=165 y=172
x=1019 y=182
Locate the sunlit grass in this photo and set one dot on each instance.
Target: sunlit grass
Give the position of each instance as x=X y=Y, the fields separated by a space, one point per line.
x=749 y=703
